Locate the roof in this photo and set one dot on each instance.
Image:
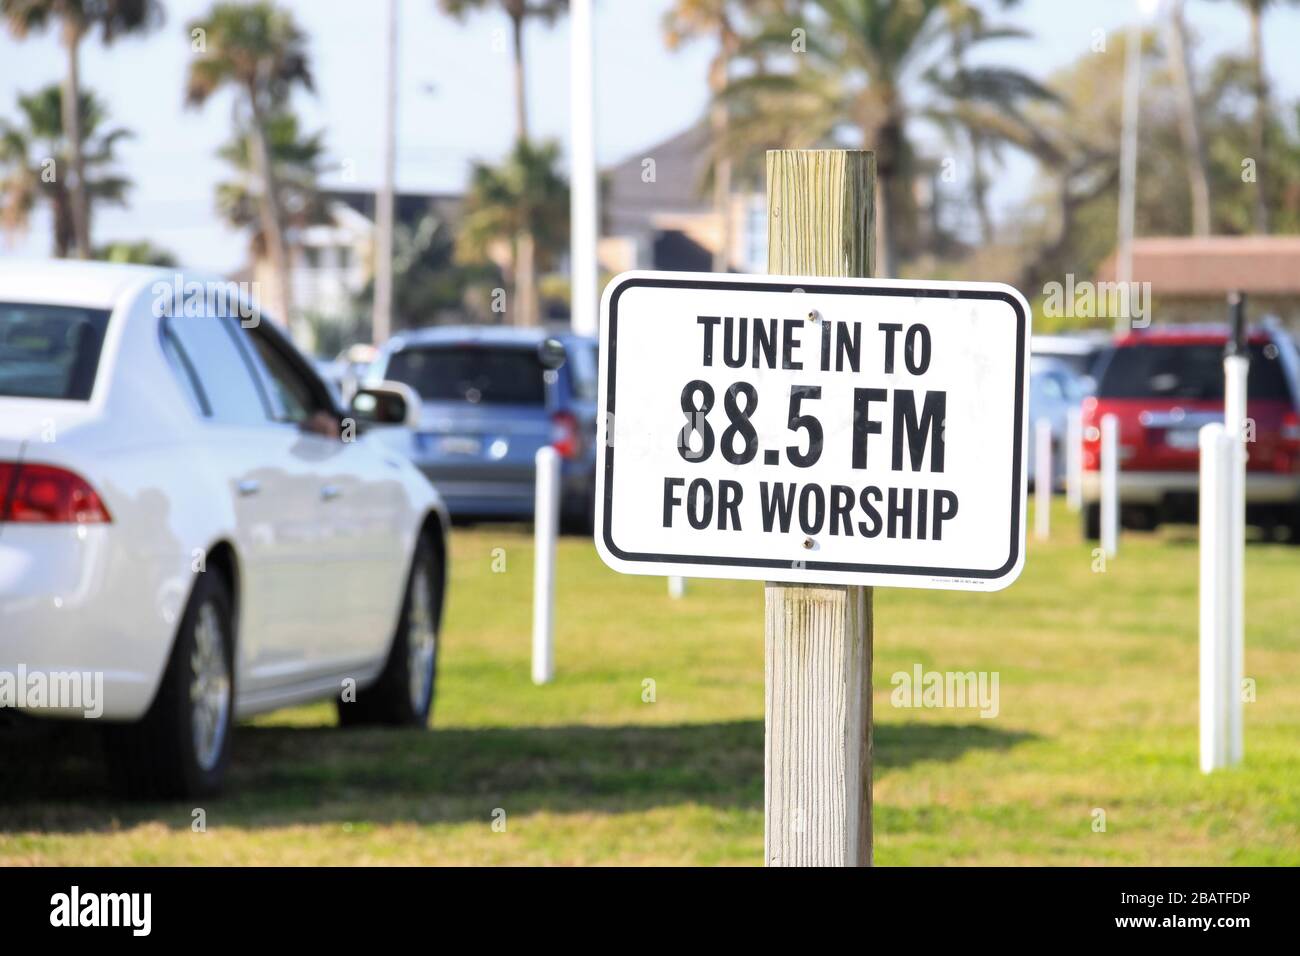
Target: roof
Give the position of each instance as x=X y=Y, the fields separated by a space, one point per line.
x=73 y=282
x=408 y=208
x=474 y=335
x=1214 y=265
x=680 y=165
x=1188 y=335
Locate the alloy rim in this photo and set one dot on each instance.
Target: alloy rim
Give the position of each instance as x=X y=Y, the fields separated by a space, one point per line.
x=209 y=687
x=421 y=638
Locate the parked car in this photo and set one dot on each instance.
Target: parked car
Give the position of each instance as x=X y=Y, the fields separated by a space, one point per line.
x=182 y=515
x=1055 y=389
x=492 y=397
x=1078 y=350
x=1163 y=384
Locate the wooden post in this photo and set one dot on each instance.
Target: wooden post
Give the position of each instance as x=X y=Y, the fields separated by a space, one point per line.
x=817 y=640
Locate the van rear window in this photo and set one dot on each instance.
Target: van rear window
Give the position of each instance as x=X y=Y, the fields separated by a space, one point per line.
x=49 y=351
x=1187 y=371
x=474 y=374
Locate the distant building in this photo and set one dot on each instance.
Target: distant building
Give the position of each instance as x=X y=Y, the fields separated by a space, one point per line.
x=332 y=261
x=657 y=212
x=1191 y=276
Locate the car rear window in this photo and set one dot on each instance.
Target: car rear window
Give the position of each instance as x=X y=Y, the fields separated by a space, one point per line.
x=490 y=376
x=49 y=351
x=1187 y=371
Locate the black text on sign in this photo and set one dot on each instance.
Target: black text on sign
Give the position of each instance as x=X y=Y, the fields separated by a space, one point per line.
x=817 y=430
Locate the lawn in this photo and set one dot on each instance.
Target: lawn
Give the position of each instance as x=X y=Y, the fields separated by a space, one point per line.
x=1096 y=721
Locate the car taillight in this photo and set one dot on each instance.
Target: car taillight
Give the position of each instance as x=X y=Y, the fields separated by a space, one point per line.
x=564 y=434
x=1291 y=429
x=44 y=494
x=1090 y=434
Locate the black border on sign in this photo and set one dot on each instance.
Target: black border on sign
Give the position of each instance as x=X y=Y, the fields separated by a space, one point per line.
x=904 y=291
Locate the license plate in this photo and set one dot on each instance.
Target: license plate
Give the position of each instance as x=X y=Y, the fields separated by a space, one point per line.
x=1184 y=439
x=453 y=444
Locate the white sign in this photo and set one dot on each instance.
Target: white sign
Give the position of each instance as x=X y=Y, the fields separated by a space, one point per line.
x=842 y=431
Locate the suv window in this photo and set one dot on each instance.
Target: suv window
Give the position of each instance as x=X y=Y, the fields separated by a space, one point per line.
x=211 y=359
x=49 y=351
x=476 y=374
x=1149 y=370
x=584 y=363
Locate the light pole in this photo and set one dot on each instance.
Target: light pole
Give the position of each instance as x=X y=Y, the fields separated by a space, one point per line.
x=1128 y=149
x=381 y=323
x=583 y=275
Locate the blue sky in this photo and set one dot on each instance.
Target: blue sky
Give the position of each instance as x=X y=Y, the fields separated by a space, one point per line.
x=455 y=96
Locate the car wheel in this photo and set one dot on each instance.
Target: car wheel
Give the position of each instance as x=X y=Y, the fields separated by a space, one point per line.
x=1293 y=526
x=182 y=745
x=402 y=696
x=1091 y=522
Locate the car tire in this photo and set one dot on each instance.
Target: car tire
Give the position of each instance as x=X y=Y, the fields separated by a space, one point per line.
x=402 y=696
x=1293 y=526
x=1091 y=522
x=181 y=747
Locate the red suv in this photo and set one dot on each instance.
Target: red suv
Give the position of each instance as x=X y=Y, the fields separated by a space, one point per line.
x=1162 y=385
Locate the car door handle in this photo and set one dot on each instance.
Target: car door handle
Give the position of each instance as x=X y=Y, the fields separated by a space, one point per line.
x=330 y=492
x=249 y=486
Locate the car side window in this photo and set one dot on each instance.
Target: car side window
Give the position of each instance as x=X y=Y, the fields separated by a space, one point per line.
x=294 y=397
x=218 y=371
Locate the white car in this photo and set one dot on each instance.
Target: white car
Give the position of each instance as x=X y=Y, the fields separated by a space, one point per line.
x=189 y=523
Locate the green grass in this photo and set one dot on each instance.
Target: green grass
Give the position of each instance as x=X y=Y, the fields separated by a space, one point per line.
x=1098 y=711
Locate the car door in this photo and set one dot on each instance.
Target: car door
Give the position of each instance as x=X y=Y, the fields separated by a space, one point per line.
x=357 y=567
x=274 y=519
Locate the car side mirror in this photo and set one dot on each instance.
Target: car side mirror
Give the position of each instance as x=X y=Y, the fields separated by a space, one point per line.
x=551 y=353
x=388 y=403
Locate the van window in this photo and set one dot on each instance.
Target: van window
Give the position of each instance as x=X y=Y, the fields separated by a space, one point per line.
x=49 y=351
x=1189 y=372
x=491 y=375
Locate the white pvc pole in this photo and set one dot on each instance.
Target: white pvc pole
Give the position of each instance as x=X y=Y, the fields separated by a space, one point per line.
x=545 y=526
x=1043 y=480
x=1074 y=459
x=676 y=587
x=1109 y=485
x=583 y=270
x=1216 y=610
x=1235 y=372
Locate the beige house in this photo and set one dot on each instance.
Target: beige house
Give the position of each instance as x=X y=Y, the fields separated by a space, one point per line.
x=1191 y=276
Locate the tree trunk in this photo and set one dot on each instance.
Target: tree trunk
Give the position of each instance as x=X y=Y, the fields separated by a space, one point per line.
x=980 y=188
x=72 y=135
x=719 y=119
x=1198 y=181
x=525 y=311
x=521 y=99
x=271 y=215
x=1260 y=146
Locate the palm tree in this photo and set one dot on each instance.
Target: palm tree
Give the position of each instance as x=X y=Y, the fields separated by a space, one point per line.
x=259 y=51
x=31 y=154
x=872 y=69
x=297 y=163
x=1198 y=178
x=688 y=20
x=76 y=19
x=525 y=195
x=1259 y=140
x=519 y=13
